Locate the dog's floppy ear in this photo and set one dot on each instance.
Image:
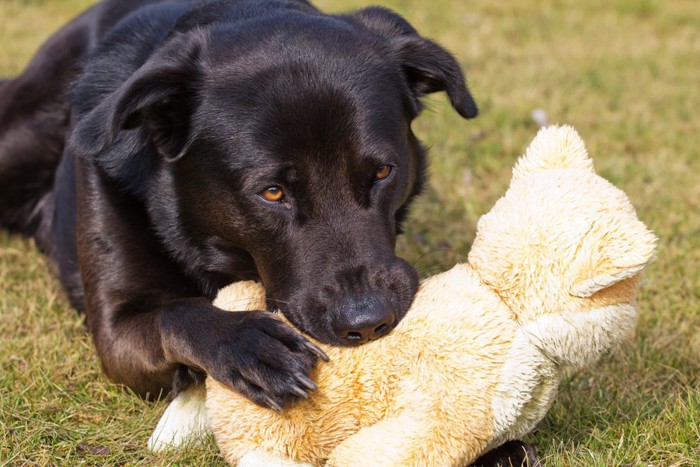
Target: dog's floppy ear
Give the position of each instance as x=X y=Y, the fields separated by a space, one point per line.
x=428 y=67
x=158 y=98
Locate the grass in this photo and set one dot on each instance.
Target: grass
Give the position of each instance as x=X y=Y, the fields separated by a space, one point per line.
x=623 y=72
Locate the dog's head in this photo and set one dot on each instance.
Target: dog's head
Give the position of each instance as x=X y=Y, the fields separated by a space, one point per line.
x=284 y=146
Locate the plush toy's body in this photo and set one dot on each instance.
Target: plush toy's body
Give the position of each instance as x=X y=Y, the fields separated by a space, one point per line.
x=549 y=285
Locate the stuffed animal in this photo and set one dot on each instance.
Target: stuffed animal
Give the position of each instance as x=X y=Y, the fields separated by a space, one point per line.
x=549 y=285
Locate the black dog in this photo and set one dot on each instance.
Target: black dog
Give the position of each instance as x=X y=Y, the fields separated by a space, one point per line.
x=158 y=150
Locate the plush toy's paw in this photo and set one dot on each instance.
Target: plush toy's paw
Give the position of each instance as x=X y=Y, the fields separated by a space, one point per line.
x=183 y=422
x=510 y=454
x=263 y=358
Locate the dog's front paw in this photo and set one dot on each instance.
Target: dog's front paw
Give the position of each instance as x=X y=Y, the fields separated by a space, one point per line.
x=264 y=359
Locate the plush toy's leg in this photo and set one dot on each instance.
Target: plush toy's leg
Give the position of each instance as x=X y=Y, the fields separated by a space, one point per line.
x=184 y=421
x=407 y=440
x=510 y=454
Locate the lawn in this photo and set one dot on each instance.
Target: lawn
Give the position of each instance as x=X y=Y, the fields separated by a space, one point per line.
x=625 y=73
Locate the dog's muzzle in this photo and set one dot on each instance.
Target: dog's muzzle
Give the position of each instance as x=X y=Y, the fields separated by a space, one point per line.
x=364 y=319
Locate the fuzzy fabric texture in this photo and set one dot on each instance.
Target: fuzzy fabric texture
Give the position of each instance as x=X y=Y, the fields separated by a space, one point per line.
x=549 y=285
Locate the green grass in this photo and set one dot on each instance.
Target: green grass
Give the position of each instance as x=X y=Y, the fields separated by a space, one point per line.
x=623 y=72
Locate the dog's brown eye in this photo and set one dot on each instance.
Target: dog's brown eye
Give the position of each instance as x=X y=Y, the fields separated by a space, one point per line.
x=382 y=172
x=272 y=193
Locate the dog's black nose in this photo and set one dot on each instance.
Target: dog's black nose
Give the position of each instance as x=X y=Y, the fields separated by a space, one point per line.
x=364 y=320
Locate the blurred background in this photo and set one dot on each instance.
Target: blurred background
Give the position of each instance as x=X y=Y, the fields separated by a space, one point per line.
x=625 y=73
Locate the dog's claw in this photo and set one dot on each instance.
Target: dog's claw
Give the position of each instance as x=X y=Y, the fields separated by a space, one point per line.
x=317 y=350
x=300 y=392
x=273 y=405
x=306 y=381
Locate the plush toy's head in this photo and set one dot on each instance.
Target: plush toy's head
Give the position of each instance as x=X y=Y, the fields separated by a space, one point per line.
x=562 y=238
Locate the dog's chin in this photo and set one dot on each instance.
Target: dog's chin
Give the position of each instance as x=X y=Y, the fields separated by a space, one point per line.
x=320 y=332
x=328 y=337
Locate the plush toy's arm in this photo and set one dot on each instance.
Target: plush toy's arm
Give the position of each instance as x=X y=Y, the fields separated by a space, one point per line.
x=398 y=441
x=412 y=438
x=387 y=443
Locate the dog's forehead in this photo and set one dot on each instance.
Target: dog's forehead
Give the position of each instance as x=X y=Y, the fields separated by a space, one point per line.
x=305 y=81
x=329 y=105
x=258 y=56
x=296 y=112
x=268 y=38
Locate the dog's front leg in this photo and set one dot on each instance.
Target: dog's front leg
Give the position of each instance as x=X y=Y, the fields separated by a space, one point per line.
x=151 y=324
x=255 y=353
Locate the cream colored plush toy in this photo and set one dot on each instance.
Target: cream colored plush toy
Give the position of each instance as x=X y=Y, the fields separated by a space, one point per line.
x=549 y=285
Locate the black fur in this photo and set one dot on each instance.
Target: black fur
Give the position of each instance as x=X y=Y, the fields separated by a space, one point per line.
x=138 y=143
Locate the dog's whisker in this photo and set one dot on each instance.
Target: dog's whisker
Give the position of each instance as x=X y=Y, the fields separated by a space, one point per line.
x=443 y=251
x=428 y=265
x=242 y=303
x=277 y=302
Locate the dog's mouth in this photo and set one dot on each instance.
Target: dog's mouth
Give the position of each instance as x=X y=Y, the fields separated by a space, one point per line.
x=341 y=317
x=359 y=329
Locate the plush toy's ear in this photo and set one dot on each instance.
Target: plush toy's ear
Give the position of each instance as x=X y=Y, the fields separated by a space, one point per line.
x=614 y=249
x=159 y=98
x=428 y=67
x=554 y=147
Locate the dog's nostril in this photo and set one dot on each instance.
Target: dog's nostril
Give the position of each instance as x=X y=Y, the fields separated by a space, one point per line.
x=370 y=333
x=355 y=337
x=364 y=319
x=380 y=331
